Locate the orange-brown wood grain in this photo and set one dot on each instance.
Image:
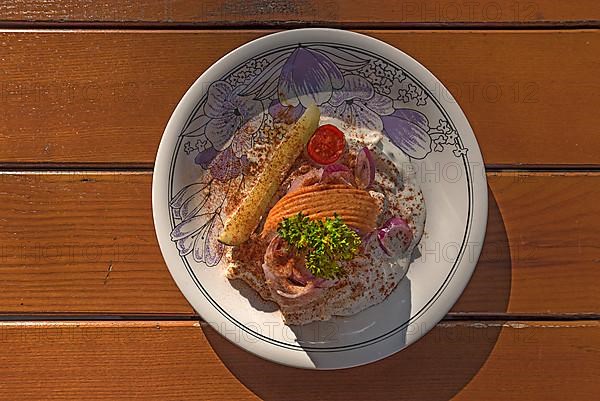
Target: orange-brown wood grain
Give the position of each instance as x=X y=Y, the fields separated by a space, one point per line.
x=333 y=12
x=84 y=243
x=89 y=97
x=544 y=227
x=182 y=361
x=78 y=244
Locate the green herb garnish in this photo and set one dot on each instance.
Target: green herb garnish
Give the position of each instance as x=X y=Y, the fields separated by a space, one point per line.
x=325 y=242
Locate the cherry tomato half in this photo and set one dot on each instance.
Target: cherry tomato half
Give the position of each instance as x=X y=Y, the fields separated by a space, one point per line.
x=326 y=145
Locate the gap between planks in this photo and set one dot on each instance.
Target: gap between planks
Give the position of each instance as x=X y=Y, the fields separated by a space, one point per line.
x=265 y=30
x=189 y=323
x=450 y=317
x=259 y=25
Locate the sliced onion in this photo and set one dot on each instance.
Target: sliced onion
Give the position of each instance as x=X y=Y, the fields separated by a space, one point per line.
x=297 y=279
x=337 y=174
x=301 y=291
x=301 y=275
x=273 y=254
x=394 y=236
x=299 y=295
x=364 y=171
x=332 y=168
x=296 y=286
x=313 y=176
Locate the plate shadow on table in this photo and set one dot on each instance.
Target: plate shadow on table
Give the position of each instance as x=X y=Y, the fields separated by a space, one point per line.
x=435 y=368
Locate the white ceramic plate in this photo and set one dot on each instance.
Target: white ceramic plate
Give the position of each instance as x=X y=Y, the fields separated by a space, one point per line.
x=226 y=110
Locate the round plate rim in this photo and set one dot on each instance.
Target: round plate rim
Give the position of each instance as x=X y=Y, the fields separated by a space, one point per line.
x=384 y=348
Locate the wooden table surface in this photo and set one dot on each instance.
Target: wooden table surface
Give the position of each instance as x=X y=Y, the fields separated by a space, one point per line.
x=88 y=309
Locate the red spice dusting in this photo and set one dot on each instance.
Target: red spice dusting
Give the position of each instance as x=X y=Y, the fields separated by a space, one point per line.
x=375 y=283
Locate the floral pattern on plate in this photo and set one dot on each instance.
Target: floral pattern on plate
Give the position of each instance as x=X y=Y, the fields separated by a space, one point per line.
x=362 y=91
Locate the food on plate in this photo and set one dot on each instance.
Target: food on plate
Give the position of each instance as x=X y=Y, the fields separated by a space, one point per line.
x=327 y=144
x=329 y=226
x=354 y=206
x=246 y=217
x=322 y=242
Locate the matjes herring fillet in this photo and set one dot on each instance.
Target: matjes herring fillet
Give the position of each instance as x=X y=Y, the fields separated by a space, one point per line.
x=354 y=206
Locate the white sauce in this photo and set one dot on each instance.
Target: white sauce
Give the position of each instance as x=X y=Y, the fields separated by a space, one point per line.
x=372 y=275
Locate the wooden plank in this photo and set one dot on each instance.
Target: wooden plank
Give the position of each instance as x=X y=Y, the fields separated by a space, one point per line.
x=82 y=243
x=279 y=12
x=85 y=243
x=179 y=360
x=69 y=96
x=541 y=242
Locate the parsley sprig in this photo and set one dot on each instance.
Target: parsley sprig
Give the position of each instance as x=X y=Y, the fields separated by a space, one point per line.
x=325 y=242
